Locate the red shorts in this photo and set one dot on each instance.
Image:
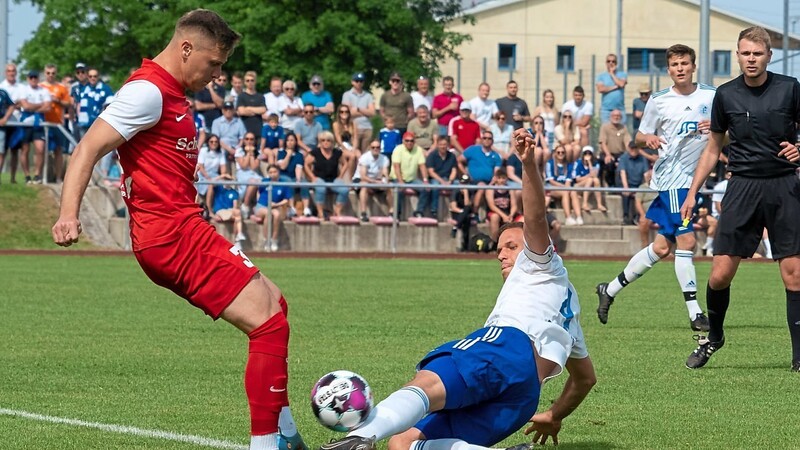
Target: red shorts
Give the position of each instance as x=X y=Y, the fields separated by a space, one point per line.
x=200 y=266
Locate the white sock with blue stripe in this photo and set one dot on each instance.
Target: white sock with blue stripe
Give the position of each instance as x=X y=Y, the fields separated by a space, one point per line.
x=445 y=444
x=637 y=266
x=397 y=413
x=687 y=278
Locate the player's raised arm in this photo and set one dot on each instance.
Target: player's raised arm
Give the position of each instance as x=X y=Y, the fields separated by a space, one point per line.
x=99 y=140
x=536 y=228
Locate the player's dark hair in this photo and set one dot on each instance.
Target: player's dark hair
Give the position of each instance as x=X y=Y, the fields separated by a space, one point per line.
x=756 y=34
x=211 y=25
x=680 y=50
x=508 y=226
x=510 y=82
x=579 y=89
x=448 y=78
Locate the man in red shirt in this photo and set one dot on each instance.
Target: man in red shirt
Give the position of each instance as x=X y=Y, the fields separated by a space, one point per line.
x=152 y=127
x=445 y=105
x=464 y=131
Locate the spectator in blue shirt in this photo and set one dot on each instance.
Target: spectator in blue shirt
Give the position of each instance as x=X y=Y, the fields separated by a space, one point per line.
x=632 y=169
x=92 y=98
x=558 y=173
x=321 y=100
x=6 y=110
x=611 y=84
x=442 y=170
x=586 y=174
x=279 y=206
x=480 y=162
x=226 y=208
x=272 y=137
x=291 y=161
x=389 y=136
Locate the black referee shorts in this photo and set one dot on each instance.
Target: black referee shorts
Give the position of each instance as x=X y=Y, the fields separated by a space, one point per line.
x=750 y=205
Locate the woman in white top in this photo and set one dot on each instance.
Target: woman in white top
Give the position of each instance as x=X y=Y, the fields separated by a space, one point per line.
x=549 y=112
x=502 y=135
x=289 y=106
x=210 y=165
x=569 y=135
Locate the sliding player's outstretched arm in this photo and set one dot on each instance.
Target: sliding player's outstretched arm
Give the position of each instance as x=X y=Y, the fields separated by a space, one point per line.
x=533 y=207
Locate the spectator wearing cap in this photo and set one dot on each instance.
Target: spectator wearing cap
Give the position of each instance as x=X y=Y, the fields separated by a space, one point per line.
x=75 y=88
x=464 y=131
x=208 y=102
x=321 y=100
x=586 y=173
x=422 y=96
x=34 y=102
x=397 y=104
x=639 y=104
x=408 y=166
x=611 y=84
x=425 y=129
x=614 y=138
x=446 y=105
x=484 y=109
x=632 y=169
x=290 y=106
x=362 y=109
x=230 y=130
x=250 y=106
x=480 y=161
x=92 y=98
x=272 y=99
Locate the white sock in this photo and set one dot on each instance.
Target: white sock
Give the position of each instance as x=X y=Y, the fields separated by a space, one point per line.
x=767 y=248
x=687 y=278
x=286 y=422
x=709 y=243
x=397 y=413
x=637 y=266
x=264 y=442
x=445 y=444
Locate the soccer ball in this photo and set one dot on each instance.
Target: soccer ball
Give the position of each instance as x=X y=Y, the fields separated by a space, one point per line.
x=341 y=400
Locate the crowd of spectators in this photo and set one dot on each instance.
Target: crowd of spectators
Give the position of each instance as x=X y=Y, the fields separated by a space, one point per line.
x=420 y=137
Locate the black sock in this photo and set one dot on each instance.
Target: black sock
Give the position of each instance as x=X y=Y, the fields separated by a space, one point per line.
x=622 y=280
x=793 y=319
x=690 y=296
x=717 y=303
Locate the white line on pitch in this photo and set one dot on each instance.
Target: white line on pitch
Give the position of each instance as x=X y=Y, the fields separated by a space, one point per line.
x=122 y=429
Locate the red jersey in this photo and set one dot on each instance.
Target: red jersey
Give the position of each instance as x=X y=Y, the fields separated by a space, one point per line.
x=467 y=132
x=159 y=156
x=441 y=101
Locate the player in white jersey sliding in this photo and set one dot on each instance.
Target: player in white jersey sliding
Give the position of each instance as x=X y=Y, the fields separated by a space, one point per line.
x=472 y=393
x=675 y=122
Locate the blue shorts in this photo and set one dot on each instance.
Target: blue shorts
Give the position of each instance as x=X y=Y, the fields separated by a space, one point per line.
x=491 y=383
x=666 y=212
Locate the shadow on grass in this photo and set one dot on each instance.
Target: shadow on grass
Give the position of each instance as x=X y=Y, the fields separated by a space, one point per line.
x=579 y=446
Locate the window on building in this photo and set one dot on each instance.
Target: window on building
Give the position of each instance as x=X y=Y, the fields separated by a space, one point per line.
x=506 y=56
x=722 y=62
x=565 y=58
x=639 y=59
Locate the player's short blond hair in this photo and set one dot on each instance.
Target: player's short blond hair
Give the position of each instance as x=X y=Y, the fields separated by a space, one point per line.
x=756 y=34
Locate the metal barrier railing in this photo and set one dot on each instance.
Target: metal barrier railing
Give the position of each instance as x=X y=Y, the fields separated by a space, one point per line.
x=47 y=126
x=397 y=187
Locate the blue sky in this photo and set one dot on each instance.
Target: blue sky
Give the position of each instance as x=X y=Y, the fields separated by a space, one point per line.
x=24 y=18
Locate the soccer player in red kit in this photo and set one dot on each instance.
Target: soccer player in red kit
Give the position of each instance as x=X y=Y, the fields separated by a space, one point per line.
x=152 y=127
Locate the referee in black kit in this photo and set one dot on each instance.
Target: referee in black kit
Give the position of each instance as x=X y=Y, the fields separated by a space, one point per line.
x=759 y=110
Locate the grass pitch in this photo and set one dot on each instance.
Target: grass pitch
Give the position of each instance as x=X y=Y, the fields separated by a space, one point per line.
x=91 y=339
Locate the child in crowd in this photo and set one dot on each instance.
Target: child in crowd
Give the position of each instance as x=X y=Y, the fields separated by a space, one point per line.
x=389 y=136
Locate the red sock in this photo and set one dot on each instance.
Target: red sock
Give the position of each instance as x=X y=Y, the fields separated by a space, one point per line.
x=265 y=377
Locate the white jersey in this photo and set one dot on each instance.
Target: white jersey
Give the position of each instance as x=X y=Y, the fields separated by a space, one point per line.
x=538 y=299
x=674 y=117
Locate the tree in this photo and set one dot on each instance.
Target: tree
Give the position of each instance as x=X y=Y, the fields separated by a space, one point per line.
x=287 y=38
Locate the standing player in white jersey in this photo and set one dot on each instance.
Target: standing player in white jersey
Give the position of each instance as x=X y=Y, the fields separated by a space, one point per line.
x=472 y=393
x=676 y=123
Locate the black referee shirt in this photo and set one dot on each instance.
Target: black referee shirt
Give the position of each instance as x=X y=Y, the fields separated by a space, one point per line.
x=757 y=120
